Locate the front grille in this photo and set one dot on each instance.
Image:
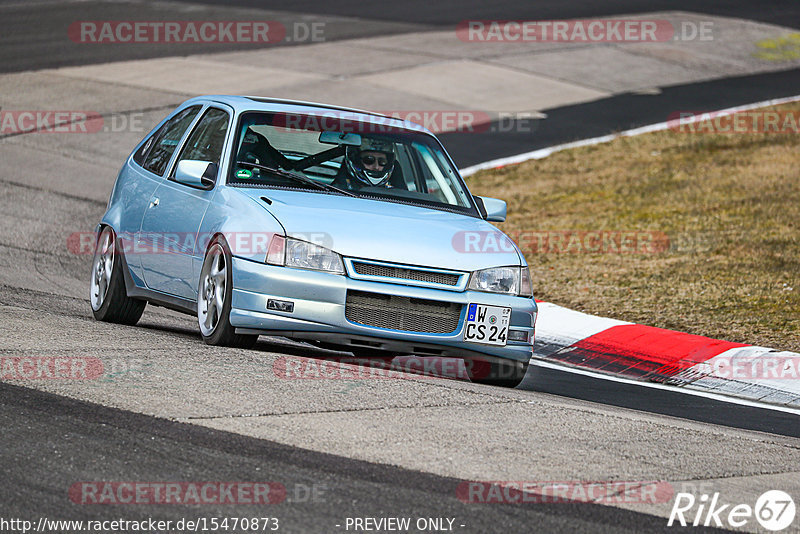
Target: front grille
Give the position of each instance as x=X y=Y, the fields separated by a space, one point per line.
x=371 y=269
x=402 y=313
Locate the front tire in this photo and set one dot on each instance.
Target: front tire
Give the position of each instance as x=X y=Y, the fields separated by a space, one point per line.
x=107 y=294
x=502 y=373
x=214 y=299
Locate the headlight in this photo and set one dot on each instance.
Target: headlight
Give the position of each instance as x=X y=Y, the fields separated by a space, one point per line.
x=508 y=280
x=291 y=252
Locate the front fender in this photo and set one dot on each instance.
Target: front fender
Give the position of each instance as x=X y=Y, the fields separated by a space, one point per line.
x=247 y=225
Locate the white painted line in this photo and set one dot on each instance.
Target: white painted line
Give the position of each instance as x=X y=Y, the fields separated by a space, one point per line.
x=544 y=152
x=655 y=385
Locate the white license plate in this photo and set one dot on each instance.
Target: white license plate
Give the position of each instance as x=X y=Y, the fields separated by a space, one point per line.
x=487 y=324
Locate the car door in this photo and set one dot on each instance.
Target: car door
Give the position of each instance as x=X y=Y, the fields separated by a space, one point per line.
x=172 y=219
x=144 y=172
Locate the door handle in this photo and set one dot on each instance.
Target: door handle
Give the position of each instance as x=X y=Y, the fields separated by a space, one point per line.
x=154 y=202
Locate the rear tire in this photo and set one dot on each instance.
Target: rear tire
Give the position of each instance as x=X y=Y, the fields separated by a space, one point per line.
x=214 y=299
x=107 y=294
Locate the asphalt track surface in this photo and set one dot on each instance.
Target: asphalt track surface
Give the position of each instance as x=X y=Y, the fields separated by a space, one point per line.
x=444 y=13
x=616 y=114
x=109 y=444
x=49 y=441
x=29 y=40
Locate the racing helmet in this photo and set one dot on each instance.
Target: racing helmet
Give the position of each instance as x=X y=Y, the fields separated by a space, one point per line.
x=356 y=161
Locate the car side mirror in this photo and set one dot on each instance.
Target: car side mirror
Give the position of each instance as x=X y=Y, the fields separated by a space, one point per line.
x=195 y=173
x=494 y=209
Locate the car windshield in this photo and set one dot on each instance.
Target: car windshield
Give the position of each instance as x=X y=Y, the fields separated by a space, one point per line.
x=340 y=155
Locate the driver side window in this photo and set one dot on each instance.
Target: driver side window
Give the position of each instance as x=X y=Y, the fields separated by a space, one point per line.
x=206 y=141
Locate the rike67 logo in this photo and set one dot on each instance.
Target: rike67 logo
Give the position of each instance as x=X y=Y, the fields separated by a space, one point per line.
x=774 y=510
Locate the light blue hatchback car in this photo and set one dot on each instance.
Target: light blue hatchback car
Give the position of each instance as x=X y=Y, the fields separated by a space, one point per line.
x=343 y=228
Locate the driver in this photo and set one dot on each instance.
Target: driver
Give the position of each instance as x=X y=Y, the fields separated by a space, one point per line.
x=368 y=165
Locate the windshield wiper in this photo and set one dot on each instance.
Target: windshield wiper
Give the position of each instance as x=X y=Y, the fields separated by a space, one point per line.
x=297 y=178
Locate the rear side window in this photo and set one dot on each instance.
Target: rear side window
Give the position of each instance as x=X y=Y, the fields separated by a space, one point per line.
x=140 y=154
x=156 y=152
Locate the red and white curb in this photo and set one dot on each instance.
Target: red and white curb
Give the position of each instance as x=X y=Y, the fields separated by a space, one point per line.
x=649 y=354
x=646 y=354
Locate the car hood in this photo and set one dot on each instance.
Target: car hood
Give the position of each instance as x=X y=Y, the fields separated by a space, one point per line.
x=388 y=231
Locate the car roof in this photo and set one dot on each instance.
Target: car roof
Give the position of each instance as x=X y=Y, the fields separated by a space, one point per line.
x=256 y=103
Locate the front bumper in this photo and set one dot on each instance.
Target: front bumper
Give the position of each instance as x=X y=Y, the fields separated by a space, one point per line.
x=319 y=312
